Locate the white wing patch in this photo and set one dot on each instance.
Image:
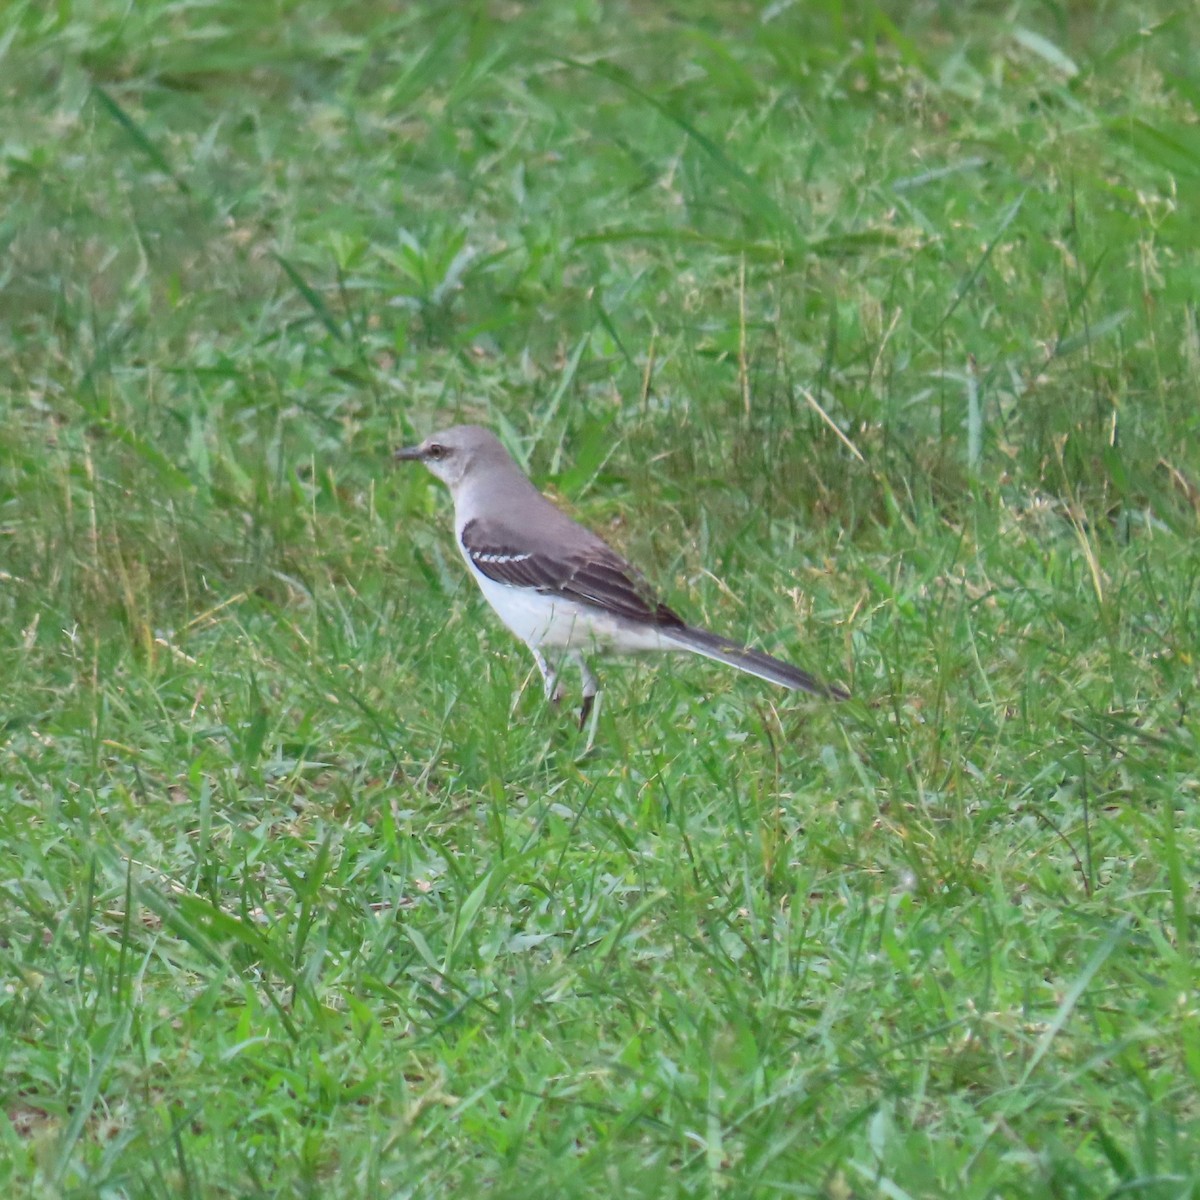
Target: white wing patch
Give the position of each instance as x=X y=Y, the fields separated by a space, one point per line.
x=500 y=558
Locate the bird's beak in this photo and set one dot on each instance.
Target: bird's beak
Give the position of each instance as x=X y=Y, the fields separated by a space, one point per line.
x=408 y=454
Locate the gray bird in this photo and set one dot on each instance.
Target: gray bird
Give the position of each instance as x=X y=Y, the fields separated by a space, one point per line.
x=556 y=585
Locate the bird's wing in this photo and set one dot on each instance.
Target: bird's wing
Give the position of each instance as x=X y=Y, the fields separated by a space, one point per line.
x=591 y=574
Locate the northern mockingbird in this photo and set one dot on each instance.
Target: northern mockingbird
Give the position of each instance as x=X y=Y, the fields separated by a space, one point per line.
x=561 y=589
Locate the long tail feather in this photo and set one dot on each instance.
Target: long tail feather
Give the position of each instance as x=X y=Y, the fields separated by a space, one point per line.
x=753 y=662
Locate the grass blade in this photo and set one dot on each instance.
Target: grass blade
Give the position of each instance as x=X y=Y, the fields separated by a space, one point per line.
x=315 y=302
x=139 y=137
x=87 y=1097
x=760 y=199
x=1067 y=1006
x=967 y=283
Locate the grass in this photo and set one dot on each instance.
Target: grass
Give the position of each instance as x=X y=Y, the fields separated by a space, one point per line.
x=869 y=330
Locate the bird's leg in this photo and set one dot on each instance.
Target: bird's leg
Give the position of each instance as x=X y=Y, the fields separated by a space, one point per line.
x=591 y=704
x=549 y=676
x=591 y=692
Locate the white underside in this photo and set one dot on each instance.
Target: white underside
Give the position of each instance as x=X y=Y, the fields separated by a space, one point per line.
x=554 y=623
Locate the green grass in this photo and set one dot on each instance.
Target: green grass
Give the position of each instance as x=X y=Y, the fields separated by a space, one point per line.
x=870 y=331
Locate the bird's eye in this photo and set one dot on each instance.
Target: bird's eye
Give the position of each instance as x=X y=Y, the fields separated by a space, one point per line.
x=436 y=452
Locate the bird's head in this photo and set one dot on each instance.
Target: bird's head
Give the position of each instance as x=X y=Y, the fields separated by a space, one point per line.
x=453 y=453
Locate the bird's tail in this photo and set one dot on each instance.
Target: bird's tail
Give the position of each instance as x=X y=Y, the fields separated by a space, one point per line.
x=753 y=662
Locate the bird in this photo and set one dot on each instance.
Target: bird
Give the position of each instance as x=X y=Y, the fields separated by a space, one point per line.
x=559 y=587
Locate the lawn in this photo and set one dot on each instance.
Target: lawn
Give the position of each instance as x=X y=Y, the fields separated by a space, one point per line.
x=869 y=330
